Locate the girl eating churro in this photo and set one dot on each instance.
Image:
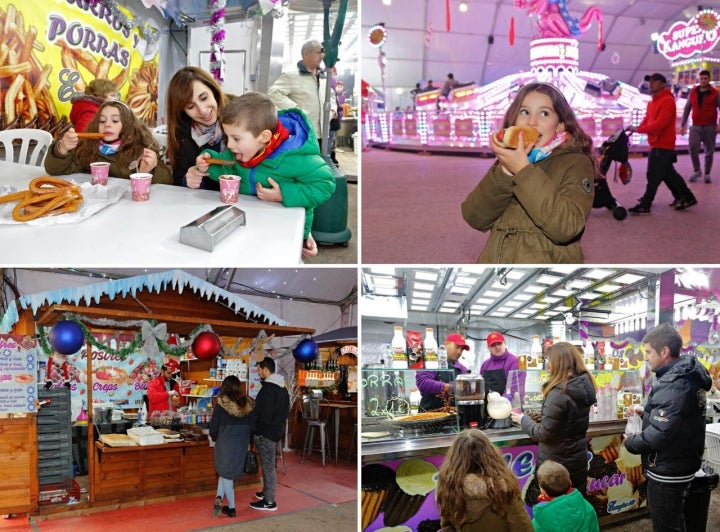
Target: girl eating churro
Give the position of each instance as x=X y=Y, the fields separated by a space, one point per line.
x=125 y=139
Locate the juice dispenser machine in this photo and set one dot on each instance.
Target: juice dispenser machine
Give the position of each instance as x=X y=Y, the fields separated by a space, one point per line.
x=470 y=400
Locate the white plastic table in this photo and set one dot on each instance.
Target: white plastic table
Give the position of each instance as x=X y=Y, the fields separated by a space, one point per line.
x=146 y=234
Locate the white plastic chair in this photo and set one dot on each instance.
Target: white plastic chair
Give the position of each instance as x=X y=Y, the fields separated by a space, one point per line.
x=33 y=145
x=712 y=450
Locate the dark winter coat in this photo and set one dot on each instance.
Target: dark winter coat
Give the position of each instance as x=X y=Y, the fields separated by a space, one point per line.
x=272 y=406
x=480 y=515
x=562 y=431
x=230 y=429
x=537 y=215
x=672 y=440
x=187 y=152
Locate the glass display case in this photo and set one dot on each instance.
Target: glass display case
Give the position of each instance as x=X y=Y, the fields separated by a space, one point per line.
x=390 y=399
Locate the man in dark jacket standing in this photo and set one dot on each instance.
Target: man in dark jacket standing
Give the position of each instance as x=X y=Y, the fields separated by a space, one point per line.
x=272 y=406
x=672 y=440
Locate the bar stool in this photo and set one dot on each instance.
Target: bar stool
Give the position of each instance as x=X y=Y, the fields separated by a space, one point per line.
x=311 y=415
x=279 y=454
x=353 y=441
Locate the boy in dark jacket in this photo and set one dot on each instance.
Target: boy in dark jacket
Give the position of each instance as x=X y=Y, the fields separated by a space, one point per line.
x=272 y=406
x=276 y=155
x=560 y=506
x=672 y=440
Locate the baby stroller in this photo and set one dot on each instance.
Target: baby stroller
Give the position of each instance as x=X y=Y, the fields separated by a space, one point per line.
x=615 y=148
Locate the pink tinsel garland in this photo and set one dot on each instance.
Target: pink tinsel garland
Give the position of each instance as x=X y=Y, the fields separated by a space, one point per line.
x=217 y=40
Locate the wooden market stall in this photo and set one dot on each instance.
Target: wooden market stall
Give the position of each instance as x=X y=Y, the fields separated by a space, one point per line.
x=116 y=474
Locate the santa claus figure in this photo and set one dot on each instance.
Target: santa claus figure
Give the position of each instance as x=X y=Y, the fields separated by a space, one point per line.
x=57 y=367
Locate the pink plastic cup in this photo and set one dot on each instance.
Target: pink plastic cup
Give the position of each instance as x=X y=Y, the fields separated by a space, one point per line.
x=140 y=186
x=229 y=188
x=100 y=173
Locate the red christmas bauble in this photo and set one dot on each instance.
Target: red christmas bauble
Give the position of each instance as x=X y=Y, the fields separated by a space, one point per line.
x=206 y=345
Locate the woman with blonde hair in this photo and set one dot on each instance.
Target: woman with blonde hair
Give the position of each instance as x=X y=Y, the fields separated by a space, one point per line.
x=569 y=393
x=476 y=490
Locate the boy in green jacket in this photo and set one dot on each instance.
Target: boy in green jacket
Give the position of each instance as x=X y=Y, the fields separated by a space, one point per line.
x=561 y=507
x=277 y=156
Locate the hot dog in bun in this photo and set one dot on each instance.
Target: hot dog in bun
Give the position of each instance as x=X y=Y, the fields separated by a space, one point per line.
x=508 y=137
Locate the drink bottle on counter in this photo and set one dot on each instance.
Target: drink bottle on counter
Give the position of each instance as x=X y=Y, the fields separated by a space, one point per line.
x=442 y=357
x=535 y=360
x=386 y=355
x=431 y=350
x=399 y=355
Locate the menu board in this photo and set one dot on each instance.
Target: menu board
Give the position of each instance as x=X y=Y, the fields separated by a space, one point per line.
x=18 y=374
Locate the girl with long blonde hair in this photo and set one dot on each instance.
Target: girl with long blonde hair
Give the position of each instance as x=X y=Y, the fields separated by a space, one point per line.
x=476 y=490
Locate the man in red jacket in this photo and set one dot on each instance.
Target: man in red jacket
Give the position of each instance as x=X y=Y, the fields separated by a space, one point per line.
x=703 y=101
x=659 y=125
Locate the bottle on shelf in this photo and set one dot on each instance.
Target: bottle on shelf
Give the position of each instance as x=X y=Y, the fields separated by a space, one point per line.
x=430 y=346
x=589 y=355
x=535 y=361
x=399 y=356
x=442 y=357
x=386 y=355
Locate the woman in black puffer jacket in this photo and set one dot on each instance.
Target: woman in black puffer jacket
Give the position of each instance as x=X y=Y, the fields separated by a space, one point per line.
x=562 y=432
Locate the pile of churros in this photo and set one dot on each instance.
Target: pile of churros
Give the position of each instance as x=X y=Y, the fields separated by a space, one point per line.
x=73 y=58
x=23 y=80
x=46 y=196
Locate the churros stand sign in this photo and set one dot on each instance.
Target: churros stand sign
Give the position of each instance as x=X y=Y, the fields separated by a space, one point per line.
x=51 y=49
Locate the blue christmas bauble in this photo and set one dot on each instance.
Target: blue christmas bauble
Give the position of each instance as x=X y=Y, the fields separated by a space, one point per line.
x=66 y=337
x=306 y=351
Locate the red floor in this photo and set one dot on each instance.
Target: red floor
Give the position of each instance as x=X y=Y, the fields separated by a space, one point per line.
x=305 y=485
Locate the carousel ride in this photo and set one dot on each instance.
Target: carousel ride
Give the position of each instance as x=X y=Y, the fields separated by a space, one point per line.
x=465 y=118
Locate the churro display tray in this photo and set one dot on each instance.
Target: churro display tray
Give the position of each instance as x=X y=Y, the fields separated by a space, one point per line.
x=424 y=420
x=95 y=198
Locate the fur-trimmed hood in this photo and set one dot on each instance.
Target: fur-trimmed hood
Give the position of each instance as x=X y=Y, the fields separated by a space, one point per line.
x=233 y=408
x=476 y=491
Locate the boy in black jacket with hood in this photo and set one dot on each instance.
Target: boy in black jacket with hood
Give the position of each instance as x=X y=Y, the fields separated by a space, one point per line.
x=272 y=406
x=672 y=440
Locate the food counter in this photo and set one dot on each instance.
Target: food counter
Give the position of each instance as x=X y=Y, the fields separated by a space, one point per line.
x=392 y=452
x=122 y=474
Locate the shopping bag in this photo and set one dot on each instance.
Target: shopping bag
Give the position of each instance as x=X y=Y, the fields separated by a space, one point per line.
x=251 y=462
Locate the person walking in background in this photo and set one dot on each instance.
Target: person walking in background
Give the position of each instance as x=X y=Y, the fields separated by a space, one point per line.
x=436 y=387
x=230 y=429
x=304 y=87
x=272 y=406
x=535 y=199
x=659 y=125
x=672 y=440
x=703 y=101
x=561 y=434
x=496 y=368
x=476 y=491
x=449 y=85
x=194 y=101
x=560 y=507
x=85 y=105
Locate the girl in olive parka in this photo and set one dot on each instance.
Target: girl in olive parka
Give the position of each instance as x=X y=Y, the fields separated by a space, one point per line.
x=277 y=156
x=535 y=200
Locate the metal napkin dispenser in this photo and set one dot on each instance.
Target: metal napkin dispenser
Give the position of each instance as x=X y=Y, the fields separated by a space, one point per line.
x=212 y=227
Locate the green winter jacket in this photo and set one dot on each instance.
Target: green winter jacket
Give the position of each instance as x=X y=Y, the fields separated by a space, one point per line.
x=304 y=178
x=538 y=215
x=56 y=164
x=567 y=513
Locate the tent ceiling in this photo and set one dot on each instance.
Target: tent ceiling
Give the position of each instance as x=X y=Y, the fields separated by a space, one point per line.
x=466 y=51
x=317 y=285
x=471 y=293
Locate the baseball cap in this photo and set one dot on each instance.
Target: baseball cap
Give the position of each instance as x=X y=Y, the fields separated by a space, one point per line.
x=494 y=338
x=656 y=77
x=458 y=340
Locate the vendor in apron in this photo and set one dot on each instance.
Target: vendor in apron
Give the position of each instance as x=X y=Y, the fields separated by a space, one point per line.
x=495 y=369
x=436 y=387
